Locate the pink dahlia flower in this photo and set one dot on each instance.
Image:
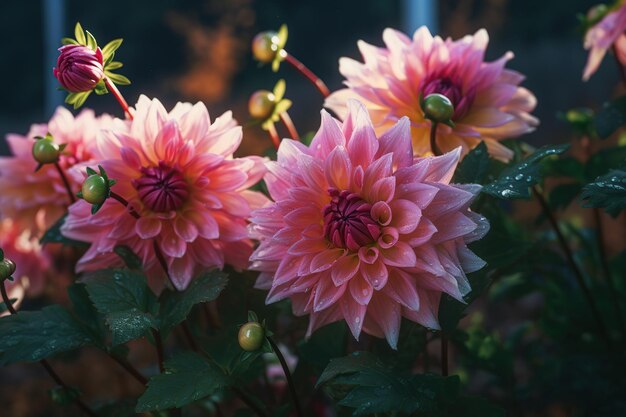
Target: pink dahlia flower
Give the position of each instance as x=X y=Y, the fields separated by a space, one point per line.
x=178 y=173
x=361 y=231
x=35 y=200
x=79 y=68
x=489 y=104
x=603 y=35
x=31 y=263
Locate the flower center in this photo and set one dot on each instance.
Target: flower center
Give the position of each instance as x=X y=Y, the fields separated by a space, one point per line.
x=347 y=221
x=161 y=188
x=451 y=88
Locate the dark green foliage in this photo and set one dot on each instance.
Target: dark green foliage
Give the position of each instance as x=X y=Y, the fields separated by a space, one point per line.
x=607 y=192
x=611 y=117
x=53 y=235
x=474 y=167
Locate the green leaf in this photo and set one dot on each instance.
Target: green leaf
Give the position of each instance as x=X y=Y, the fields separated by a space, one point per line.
x=607 y=192
x=187 y=378
x=53 y=235
x=124 y=298
x=474 y=167
x=110 y=48
x=79 y=34
x=373 y=387
x=176 y=305
x=86 y=313
x=604 y=160
x=30 y=336
x=117 y=78
x=129 y=257
x=91 y=41
x=611 y=117
x=515 y=181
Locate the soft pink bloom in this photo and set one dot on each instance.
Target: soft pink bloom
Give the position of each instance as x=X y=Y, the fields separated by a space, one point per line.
x=35 y=200
x=177 y=171
x=31 y=263
x=79 y=68
x=361 y=231
x=603 y=35
x=489 y=104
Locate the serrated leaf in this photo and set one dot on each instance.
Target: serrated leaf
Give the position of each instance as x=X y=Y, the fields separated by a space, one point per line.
x=474 y=167
x=124 y=298
x=30 y=336
x=611 y=117
x=79 y=34
x=515 y=181
x=110 y=48
x=87 y=314
x=54 y=235
x=607 y=192
x=188 y=377
x=117 y=78
x=176 y=305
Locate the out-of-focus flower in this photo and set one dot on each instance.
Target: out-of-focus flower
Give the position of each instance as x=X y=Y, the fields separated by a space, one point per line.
x=178 y=173
x=605 y=33
x=31 y=263
x=79 y=68
x=35 y=200
x=361 y=231
x=489 y=104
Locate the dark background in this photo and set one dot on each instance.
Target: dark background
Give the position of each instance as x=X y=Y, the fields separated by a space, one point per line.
x=199 y=50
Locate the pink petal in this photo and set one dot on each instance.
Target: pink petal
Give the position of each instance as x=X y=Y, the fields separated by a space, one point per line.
x=148 y=227
x=401 y=254
x=344 y=269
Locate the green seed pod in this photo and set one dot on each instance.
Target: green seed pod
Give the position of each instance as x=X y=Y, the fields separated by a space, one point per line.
x=438 y=108
x=7 y=268
x=95 y=189
x=261 y=104
x=46 y=151
x=264 y=47
x=251 y=336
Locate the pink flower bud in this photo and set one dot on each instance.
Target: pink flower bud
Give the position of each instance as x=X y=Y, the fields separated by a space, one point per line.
x=79 y=68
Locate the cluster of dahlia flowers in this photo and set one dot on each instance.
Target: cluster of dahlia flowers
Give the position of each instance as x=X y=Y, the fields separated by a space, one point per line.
x=362 y=225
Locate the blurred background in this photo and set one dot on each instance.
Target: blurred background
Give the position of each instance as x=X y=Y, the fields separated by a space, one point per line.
x=190 y=50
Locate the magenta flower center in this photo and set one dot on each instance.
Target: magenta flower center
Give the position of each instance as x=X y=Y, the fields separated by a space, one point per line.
x=348 y=222
x=451 y=88
x=162 y=188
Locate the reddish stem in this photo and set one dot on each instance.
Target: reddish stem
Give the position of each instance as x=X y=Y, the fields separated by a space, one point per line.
x=66 y=183
x=118 y=96
x=273 y=135
x=319 y=84
x=284 y=116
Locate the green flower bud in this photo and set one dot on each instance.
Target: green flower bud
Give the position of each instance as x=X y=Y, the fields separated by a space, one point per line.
x=261 y=104
x=7 y=269
x=251 y=336
x=45 y=151
x=438 y=108
x=95 y=189
x=265 y=46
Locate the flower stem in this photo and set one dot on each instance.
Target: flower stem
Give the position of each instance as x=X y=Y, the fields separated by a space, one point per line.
x=46 y=365
x=284 y=116
x=158 y=343
x=433 y=139
x=292 y=387
x=317 y=82
x=444 y=354
x=273 y=135
x=573 y=266
x=118 y=96
x=66 y=183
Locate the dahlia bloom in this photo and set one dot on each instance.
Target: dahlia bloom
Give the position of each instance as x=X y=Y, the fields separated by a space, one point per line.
x=603 y=35
x=177 y=171
x=31 y=263
x=361 y=231
x=79 y=68
x=488 y=101
x=35 y=200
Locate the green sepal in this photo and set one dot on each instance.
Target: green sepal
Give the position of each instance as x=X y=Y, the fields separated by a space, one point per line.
x=79 y=194
x=38 y=167
x=101 y=88
x=91 y=41
x=95 y=208
x=79 y=34
x=68 y=41
x=91 y=171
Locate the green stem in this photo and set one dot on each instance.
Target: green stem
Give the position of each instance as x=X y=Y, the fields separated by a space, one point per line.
x=290 y=384
x=433 y=139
